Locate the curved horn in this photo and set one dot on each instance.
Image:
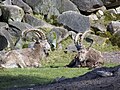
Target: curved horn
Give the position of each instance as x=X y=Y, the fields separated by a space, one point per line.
x=80 y=37
x=83 y=36
x=38 y=32
x=77 y=38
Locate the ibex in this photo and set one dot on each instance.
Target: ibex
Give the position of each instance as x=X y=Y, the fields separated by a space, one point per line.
x=86 y=56
x=27 y=57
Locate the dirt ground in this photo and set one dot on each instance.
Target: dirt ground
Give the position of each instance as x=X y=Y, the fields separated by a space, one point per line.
x=89 y=81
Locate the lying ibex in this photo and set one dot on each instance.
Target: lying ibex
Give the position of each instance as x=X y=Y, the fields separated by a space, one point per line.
x=86 y=57
x=27 y=57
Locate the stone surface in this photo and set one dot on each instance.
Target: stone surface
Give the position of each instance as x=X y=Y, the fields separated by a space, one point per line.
x=99 y=27
x=5 y=40
x=88 y=5
x=51 y=7
x=113 y=26
x=23 y=5
x=56 y=35
x=12 y=13
x=33 y=21
x=75 y=21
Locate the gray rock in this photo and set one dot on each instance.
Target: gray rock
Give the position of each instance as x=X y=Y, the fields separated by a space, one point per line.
x=51 y=7
x=99 y=27
x=111 y=3
x=16 y=29
x=70 y=48
x=5 y=37
x=7 y=2
x=88 y=5
x=75 y=21
x=0 y=12
x=93 y=17
x=12 y=13
x=118 y=10
x=56 y=35
x=113 y=26
x=104 y=73
x=23 y=5
x=33 y=21
x=115 y=39
x=20 y=26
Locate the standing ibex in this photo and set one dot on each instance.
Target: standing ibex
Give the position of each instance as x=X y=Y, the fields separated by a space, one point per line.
x=27 y=57
x=86 y=57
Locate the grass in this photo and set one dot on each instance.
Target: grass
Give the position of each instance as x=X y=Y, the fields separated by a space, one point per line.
x=53 y=67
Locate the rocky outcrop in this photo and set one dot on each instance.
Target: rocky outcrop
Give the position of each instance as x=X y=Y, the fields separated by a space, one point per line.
x=12 y=13
x=75 y=21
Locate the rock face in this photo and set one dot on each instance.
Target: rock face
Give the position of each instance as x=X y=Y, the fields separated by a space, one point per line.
x=74 y=21
x=51 y=7
x=88 y=5
x=12 y=13
x=23 y=5
x=36 y=22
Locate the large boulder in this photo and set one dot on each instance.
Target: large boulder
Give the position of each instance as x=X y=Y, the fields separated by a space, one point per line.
x=30 y=19
x=16 y=29
x=51 y=7
x=23 y=5
x=88 y=5
x=12 y=13
x=75 y=21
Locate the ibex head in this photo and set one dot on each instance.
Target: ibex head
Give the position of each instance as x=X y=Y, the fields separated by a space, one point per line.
x=40 y=40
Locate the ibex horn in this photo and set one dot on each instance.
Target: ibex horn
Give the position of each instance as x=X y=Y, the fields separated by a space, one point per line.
x=38 y=32
x=80 y=37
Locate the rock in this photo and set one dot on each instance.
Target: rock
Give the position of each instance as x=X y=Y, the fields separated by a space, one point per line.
x=19 y=26
x=98 y=40
x=56 y=35
x=36 y=22
x=88 y=5
x=70 y=48
x=23 y=5
x=98 y=27
x=93 y=17
x=75 y=21
x=12 y=13
x=3 y=42
x=115 y=39
x=111 y=3
x=0 y=12
x=5 y=37
x=7 y=2
x=51 y=7
x=16 y=29
x=99 y=13
x=118 y=10
x=113 y=11
x=104 y=73
x=113 y=26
